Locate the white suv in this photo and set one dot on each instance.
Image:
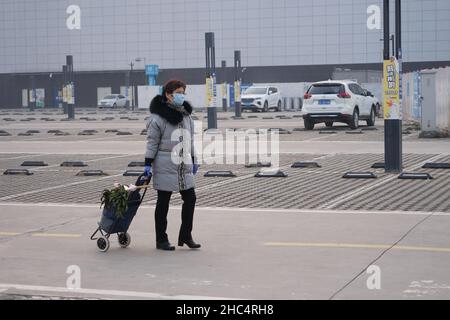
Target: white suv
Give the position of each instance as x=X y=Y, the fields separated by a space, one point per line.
x=337 y=101
x=261 y=98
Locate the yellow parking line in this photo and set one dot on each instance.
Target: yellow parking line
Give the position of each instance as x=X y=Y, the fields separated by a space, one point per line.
x=9 y=234
x=354 y=246
x=57 y=235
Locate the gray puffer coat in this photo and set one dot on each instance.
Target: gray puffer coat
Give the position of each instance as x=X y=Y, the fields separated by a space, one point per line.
x=170 y=150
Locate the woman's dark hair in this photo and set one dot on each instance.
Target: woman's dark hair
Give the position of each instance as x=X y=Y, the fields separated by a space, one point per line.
x=171 y=86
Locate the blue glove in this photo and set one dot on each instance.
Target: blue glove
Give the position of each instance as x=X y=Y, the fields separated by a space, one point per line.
x=147 y=170
x=195 y=168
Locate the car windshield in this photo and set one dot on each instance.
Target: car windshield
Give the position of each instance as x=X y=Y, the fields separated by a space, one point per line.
x=256 y=91
x=329 y=88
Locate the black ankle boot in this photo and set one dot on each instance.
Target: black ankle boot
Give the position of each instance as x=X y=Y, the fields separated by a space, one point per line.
x=165 y=246
x=190 y=243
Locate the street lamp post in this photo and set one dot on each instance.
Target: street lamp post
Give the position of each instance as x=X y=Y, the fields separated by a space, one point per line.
x=132 y=85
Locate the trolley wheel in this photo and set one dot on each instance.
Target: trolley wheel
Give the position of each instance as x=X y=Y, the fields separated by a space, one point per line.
x=103 y=244
x=124 y=239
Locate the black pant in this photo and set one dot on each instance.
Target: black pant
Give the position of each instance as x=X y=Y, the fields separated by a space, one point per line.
x=187 y=214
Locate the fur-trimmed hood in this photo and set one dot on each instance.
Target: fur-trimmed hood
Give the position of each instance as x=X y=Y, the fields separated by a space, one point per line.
x=159 y=106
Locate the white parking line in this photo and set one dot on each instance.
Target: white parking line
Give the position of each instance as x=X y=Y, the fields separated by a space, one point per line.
x=352 y=194
x=107 y=293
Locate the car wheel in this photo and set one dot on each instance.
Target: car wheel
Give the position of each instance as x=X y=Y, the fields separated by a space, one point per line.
x=279 y=106
x=378 y=110
x=266 y=107
x=329 y=124
x=371 y=121
x=309 y=124
x=354 y=122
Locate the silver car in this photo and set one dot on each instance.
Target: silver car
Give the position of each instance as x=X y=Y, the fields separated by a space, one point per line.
x=113 y=101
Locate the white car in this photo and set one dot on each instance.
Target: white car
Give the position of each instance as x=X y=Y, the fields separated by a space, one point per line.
x=375 y=102
x=261 y=98
x=337 y=101
x=113 y=101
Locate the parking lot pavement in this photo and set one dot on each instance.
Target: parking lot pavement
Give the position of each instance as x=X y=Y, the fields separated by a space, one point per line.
x=250 y=254
x=309 y=235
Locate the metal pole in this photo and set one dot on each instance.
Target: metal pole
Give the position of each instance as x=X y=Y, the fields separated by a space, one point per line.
x=64 y=84
x=71 y=104
x=386 y=29
x=132 y=85
x=224 y=84
x=33 y=93
x=393 y=127
x=210 y=76
x=237 y=86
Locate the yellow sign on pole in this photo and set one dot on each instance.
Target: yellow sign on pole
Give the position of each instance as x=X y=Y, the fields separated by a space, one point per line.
x=209 y=92
x=237 y=91
x=391 y=90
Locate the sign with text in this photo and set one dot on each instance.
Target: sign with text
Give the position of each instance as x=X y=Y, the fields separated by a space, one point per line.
x=391 y=89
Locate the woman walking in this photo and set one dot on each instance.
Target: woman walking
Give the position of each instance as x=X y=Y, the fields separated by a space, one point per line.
x=170 y=157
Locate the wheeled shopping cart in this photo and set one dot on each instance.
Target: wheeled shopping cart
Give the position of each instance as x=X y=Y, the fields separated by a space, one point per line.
x=111 y=224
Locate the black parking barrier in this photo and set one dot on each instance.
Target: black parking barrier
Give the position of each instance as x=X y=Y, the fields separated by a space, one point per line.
x=252 y=117
x=297 y=116
x=9 y=119
x=49 y=120
x=73 y=164
x=415 y=176
x=259 y=165
x=435 y=165
x=267 y=118
x=306 y=165
x=136 y=164
x=23 y=172
x=237 y=118
x=124 y=118
x=25 y=120
x=280 y=130
x=25 y=134
x=221 y=174
x=369 y=129
x=84 y=133
x=34 y=164
x=90 y=173
x=133 y=119
x=144 y=132
x=33 y=131
x=379 y=165
x=5 y=134
x=111 y=131
x=108 y=119
x=359 y=175
x=124 y=133
x=62 y=134
x=277 y=173
x=54 y=131
x=132 y=173
x=354 y=132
